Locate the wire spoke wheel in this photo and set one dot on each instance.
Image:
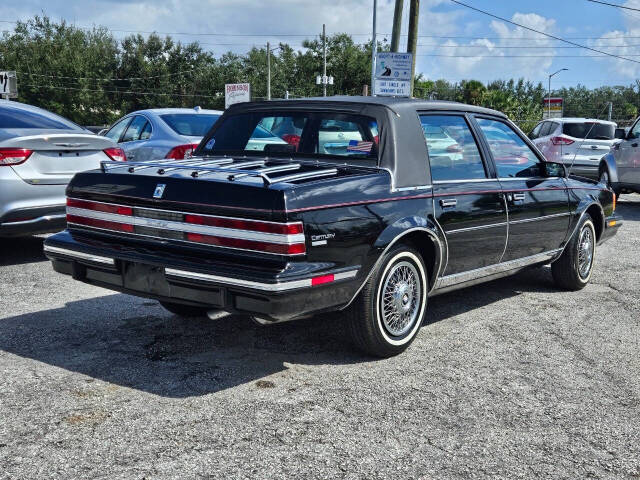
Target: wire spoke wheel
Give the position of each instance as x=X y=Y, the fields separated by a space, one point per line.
x=586 y=245
x=400 y=298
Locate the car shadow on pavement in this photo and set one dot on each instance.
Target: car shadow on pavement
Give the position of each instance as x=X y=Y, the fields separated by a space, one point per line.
x=629 y=207
x=133 y=342
x=21 y=250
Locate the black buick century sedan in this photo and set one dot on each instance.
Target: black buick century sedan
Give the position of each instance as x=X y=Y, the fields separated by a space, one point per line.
x=364 y=205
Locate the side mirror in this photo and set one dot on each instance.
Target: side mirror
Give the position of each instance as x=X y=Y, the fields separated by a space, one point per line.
x=620 y=133
x=553 y=169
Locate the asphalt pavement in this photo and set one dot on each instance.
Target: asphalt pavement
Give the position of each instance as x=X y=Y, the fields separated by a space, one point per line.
x=510 y=379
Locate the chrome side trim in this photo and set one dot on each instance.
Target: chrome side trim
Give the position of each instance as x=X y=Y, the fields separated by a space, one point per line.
x=410 y=189
x=80 y=255
x=393 y=242
x=43 y=218
x=545 y=217
x=267 y=287
x=479 y=227
x=513 y=179
x=497 y=268
x=469 y=180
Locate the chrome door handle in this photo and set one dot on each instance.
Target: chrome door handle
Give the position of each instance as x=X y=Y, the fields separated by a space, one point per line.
x=449 y=202
x=518 y=197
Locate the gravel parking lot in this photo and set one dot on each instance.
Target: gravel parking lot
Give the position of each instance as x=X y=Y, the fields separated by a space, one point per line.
x=511 y=379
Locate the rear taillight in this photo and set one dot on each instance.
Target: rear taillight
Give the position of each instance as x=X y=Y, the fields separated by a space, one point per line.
x=292 y=139
x=239 y=224
x=116 y=154
x=14 y=156
x=561 y=141
x=182 y=151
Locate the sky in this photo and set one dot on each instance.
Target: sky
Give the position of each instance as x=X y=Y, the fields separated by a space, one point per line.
x=454 y=42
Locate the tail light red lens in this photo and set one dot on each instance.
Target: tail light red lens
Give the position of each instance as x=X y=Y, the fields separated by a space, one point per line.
x=561 y=141
x=99 y=207
x=14 y=156
x=292 y=139
x=242 y=244
x=116 y=154
x=182 y=151
x=238 y=224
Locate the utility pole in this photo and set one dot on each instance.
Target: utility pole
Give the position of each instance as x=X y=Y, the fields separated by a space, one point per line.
x=268 y=71
x=412 y=41
x=610 y=111
x=549 y=97
x=374 y=48
x=397 y=26
x=324 y=60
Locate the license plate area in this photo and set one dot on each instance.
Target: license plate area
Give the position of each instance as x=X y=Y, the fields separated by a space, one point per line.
x=151 y=280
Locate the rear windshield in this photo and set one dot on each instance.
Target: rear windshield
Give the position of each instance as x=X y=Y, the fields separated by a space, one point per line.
x=600 y=131
x=190 y=124
x=315 y=134
x=11 y=117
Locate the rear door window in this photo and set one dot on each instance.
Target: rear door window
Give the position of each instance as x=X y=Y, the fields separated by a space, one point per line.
x=512 y=156
x=134 y=129
x=115 y=132
x=453 y=152
x=544 y=131
x=535 y=133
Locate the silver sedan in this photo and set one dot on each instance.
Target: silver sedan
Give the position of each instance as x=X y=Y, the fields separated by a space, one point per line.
x=162 y=132
x=39 y=153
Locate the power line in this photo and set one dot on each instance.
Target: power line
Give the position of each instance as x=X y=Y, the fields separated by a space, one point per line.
x=126 y=92
x=615 y=5
x=544 y=33
x=272 y=35
x=524 y=56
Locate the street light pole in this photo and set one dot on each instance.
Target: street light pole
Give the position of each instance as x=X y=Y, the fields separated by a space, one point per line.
x=374 y=47
x=268 y=71
x=549 y=97
x=324 y=61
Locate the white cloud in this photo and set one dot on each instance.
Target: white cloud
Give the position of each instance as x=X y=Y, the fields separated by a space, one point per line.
x=622 y=43
x=492 y=58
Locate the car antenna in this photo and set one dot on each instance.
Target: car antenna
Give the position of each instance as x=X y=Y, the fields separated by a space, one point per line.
x=583 y=140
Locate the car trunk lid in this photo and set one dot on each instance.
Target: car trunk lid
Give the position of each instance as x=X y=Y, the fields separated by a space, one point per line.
x=56 y=157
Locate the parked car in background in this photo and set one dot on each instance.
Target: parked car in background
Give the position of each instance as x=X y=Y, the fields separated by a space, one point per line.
x=374 y=232
x=162 y=132
x=39 y=153
x=620 y=167
x=97 y=129
x=579 y=143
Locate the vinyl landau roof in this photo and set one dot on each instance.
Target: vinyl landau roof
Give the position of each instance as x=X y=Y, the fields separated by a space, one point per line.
x=402 y=146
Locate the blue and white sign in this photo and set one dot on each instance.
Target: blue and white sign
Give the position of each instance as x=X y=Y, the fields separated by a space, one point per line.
x=392 y=88
x=393 y=66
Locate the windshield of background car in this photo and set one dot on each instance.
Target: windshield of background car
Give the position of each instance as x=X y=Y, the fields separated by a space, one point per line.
x=11 y=117
x=600 y=131
x=190 y=124
x=305 y=133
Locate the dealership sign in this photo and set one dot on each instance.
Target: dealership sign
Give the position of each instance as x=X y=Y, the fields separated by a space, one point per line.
x=553 y=107
x=236 y=93
x=393 y=74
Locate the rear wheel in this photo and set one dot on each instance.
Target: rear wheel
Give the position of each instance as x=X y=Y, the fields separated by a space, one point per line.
x=386 y=316
x=185 y=310
x=572 y=271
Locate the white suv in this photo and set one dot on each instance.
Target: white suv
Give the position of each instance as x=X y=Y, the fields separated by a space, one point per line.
x=563 y=140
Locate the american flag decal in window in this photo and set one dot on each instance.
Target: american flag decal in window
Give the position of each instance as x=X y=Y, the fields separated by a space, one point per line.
x=359 y=146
